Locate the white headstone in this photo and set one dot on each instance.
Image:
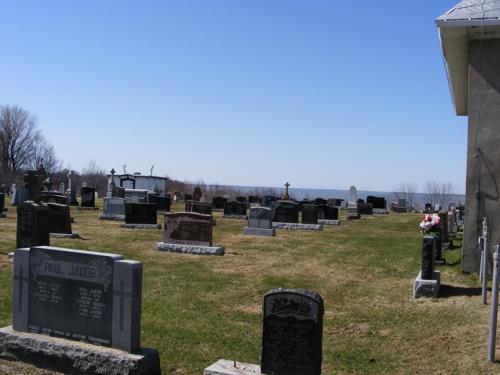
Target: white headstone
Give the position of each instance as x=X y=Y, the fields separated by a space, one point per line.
x=352 y=195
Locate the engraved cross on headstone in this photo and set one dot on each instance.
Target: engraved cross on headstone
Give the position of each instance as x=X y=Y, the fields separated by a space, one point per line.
x=122 y=294
x=20 y=278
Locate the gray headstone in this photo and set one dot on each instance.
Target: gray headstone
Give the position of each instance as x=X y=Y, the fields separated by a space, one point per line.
x=114 y=206
x=352 y=195
x=260 y=217
x=78 y=295
x=188 y=228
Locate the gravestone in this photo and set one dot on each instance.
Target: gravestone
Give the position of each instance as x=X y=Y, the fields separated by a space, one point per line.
x=304 y=202
x=72 y=191
x=188 y=197
x=118 y=192
x=365 y=209
x=188 y=228
x=326 y=212
x=428 y=207
x=402 y=206
x=113 y=209
x=292 y=332
x=235 y=209
x=152 y=198
x=443 y=215
x=140 y=213
x=319 y=201
x=2 y=205
x=260 y=222
x=197 y=194
x=83 y=298
x=253 y=199
x=352 y=212
x=268 y=200
x=204 y=208
x=241 y=199
x=61 y=188
x=59 y=218
x=427 y=281
x=49 y=197
x=87 y=196
x=32 y=185
x=352 y=195
x=285 y=195
x=285 y=212
x=218 y=202
x=309 y=214
x=377 y=202
x=164 y=203
x=32 y=224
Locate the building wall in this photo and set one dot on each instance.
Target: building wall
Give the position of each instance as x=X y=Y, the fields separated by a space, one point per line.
x=140 y=182
x=483 y=150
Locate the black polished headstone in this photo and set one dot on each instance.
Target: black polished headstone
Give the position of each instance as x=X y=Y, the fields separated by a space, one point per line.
x=32 y=185
x=319 y=201
x=428 y=245
x=365 y=209
x=204 y=208
x=241 y=198
x=292 y=332
x=376 y=202
x=87 y=196
x=309 y=214
x=304 y=202
x=285 y=212
x=164 y=203
x=267 y=200
x=140 y=213
x=32 y=224
x=53 y=198
x=235 y=208
x=326 y=212
x=218 y=202
x=118 y=192
x=59 y=218
x=253 y=199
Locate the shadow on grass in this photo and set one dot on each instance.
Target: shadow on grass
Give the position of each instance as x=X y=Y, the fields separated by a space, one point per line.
x=446 y=291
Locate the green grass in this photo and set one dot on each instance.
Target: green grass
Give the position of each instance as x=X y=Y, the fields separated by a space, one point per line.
x=198 y=309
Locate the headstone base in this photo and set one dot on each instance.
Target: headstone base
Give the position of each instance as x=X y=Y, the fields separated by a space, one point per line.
x=190 y=249
x=87 y=208
x=353 y=217
x=297 y=226
x=112 y=217
x=141 y=226
x=243 y=217
x=328 y=222
x=380 y=211
x=217 y=210
x=225 y=367
x=249 y=231
x=73 y=357
x=427 y=288
x=65 y=235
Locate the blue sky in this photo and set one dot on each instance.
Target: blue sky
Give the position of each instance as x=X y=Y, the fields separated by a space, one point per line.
x=324 y=94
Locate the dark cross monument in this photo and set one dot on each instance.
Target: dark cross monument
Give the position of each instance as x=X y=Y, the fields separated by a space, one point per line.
x=286 y=196
x=292 y=332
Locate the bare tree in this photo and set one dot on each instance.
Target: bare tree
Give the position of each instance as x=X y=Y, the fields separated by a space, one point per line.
x=95 y=176
x=438 y=193
x=407 y=191
x=42 y=154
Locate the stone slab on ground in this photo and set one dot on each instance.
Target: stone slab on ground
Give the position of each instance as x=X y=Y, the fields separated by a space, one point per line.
x=112 y=217
x=65 y=235
x=243 y=217
x=141 y=226
x=190 y=249
x=297 y=226
x=87 y=208
x=226 y=367
x=328 y=222
x=380 y=211
x=427 y=288
x=250 y=231
x=73 y=357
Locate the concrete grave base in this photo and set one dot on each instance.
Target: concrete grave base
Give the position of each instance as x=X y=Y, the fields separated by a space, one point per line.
x=380 y=211
x=141 y=226
x=353 y=217
x=249 y=231
x=226 y=367
x=87 y=208
x=427 y=288
x=112 y=217
x=297 y=226
x=73 y=357
x=217 y=210
x=65 y=235
x=190 y=249
x=328 y=222
x=243 y=217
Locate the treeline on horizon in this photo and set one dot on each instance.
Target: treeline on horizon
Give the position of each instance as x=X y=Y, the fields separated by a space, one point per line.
x=24 y=147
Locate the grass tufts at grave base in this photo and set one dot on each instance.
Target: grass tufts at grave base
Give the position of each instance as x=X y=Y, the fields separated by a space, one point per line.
x=199 y=309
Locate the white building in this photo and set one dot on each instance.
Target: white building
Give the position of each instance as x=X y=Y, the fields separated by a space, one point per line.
x=139 y=182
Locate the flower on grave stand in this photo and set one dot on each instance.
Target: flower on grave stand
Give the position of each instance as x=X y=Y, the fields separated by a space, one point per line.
x=430 y=224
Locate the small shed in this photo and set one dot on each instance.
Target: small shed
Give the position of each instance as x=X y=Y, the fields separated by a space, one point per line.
x=470 y=41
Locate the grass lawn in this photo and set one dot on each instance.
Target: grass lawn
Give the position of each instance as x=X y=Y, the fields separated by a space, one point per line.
x=198 y=309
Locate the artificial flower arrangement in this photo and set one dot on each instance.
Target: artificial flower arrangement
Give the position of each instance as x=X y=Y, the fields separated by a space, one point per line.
x=430 y=224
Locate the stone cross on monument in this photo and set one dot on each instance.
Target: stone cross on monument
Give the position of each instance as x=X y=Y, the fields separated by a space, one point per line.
x=70 y=174
x=285 y=194
x=112 y=185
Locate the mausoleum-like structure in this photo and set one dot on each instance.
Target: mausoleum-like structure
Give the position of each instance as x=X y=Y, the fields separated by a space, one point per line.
x=470 y=40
